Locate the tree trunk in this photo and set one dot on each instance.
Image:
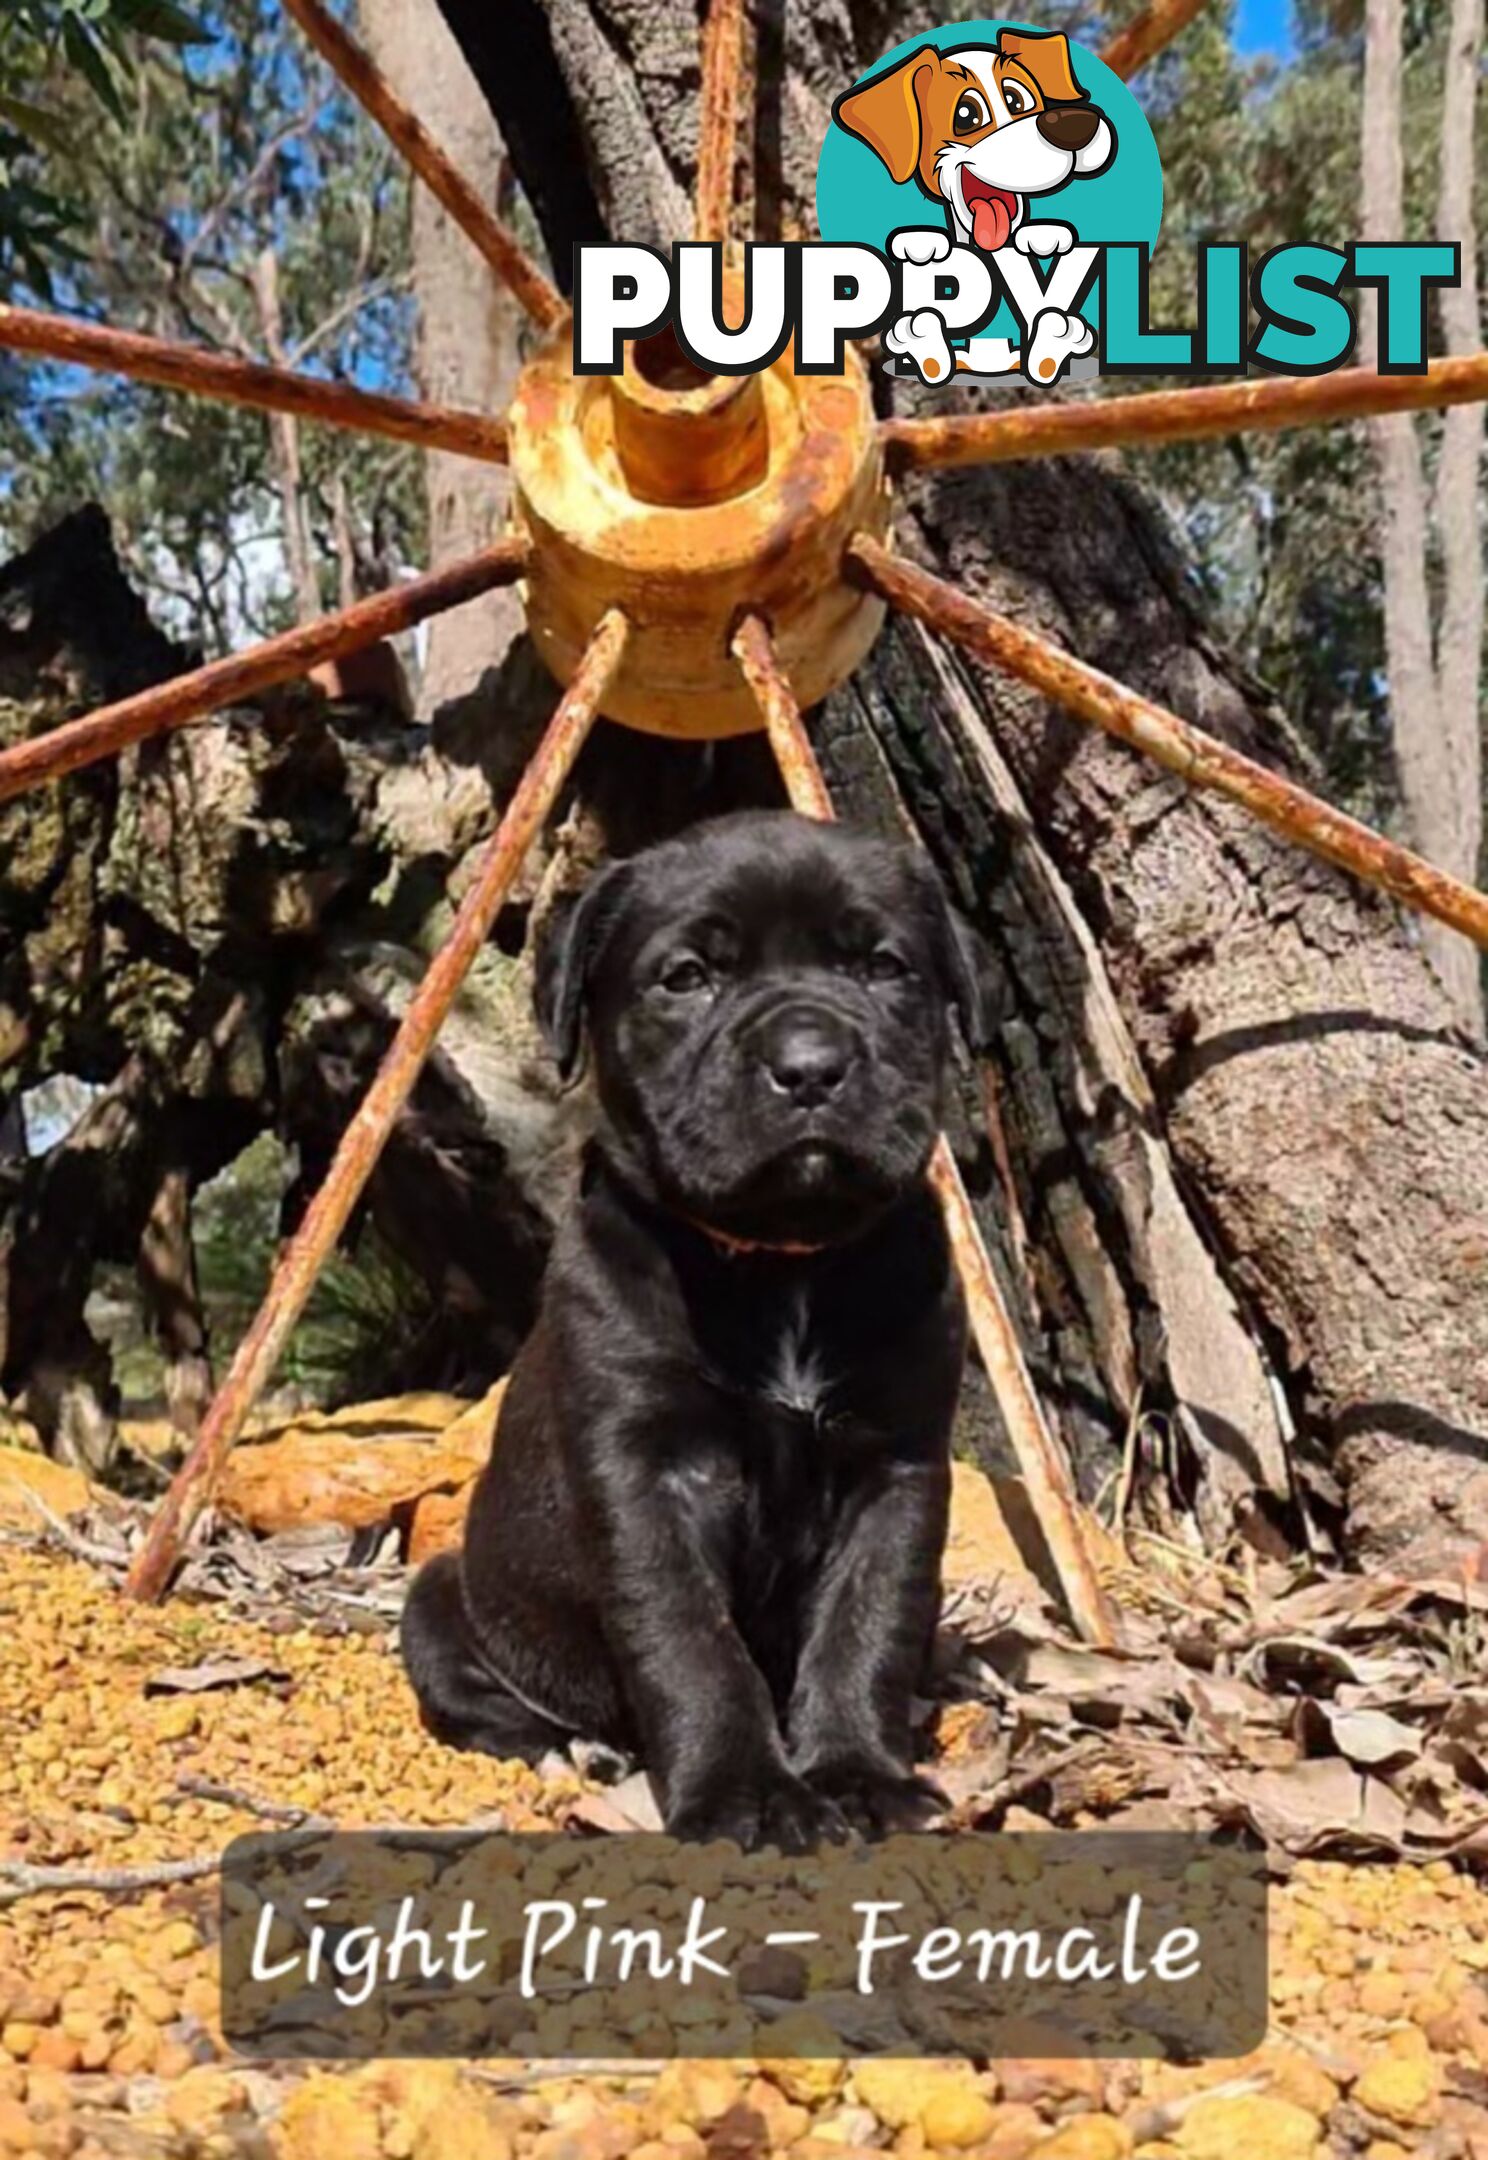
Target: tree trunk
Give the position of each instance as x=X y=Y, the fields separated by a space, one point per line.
x=467 y=338
x=172 y=1293
x=1433 y=682
x=1249 y=1148
x=284 y=444
x=1460 y=638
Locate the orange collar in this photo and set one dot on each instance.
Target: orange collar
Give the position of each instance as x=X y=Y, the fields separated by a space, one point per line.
x=735 y=1248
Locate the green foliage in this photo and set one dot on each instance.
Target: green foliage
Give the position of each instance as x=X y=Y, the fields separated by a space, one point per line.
x=359 y=1334
x=207 y=156
x=367 y=1309
x=97 y=38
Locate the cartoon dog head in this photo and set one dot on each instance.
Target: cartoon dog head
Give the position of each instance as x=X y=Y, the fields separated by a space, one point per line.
x=980 y=129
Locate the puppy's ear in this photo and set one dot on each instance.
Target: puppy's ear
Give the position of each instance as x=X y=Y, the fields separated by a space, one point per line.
x=1046 y=55
x=965 y=968
x=888 y=113
x=569 y=946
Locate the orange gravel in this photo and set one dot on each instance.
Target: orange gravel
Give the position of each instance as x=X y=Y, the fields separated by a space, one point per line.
x=108 y=2003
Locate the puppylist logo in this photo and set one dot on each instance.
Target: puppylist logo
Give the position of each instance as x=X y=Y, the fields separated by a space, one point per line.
x=989 y=196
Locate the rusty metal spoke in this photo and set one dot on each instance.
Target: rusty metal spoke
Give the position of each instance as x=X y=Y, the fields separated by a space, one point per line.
x=1044 y=1472
x=412 y=140
x=1145 y=37
x=249 y=382
x=1197 y=758
x=1167 y=416
x=362 y=1142
x=722 y=65
x=243 y=675
x=805 y=783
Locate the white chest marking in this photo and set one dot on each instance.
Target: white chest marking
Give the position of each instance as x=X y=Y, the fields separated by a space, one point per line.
x=796 y=1378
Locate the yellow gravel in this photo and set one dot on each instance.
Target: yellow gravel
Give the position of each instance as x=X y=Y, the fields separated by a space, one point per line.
x=108 y=2004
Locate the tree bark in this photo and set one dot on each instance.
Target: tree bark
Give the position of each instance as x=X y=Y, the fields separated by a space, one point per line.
x=468 y=338
x=1249 y=1146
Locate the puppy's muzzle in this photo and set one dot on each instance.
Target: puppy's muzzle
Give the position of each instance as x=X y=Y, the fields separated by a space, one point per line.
x=807 y=1055
x=1068 y=127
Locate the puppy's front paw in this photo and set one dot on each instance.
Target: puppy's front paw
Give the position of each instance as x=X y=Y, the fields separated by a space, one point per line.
x=877 y=1798
x=772 y=1807
x=920 y=246
x=921 y=338
x=1057 y=339
x=1049 y=239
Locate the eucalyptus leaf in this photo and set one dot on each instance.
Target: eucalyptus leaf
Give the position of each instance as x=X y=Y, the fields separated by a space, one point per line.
x=38 y=276
x=43 y=127
x=164 y=20
x=82 y=50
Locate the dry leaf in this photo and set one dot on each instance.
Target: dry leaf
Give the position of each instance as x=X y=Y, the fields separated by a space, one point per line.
x=1371 y=1738
x=630 y=1805
x=1302 y=1810
x=214 y=1673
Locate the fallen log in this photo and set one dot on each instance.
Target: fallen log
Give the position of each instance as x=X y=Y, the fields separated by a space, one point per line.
x=377 y=1463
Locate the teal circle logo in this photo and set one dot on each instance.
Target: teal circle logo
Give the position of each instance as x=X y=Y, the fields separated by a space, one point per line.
x=1015 y=144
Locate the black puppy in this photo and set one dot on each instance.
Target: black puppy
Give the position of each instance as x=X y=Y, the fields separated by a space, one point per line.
x=711 y=1528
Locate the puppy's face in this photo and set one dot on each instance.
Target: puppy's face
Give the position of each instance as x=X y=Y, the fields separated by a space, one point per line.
x=981 y=128
x=767 y=1000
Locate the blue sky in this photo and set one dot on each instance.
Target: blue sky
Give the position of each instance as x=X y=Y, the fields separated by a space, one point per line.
x=1264 y=26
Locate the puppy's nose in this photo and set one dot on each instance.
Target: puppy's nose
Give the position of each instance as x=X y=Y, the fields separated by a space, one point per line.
x=806 y=1056
x=1068 y=127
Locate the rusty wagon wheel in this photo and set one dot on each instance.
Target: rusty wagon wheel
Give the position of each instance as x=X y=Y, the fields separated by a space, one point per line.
x=699 y=556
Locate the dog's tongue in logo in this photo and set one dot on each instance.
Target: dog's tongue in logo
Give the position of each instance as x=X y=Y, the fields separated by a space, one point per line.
x=992 y=212
x=990 y=225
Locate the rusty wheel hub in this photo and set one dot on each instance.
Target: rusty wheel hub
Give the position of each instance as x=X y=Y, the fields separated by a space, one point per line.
x=685 y=498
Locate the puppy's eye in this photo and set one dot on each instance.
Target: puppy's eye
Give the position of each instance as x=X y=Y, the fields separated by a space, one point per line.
x=684 y=976
x=1016 y=99
x=885 y=966
x=971 y=113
